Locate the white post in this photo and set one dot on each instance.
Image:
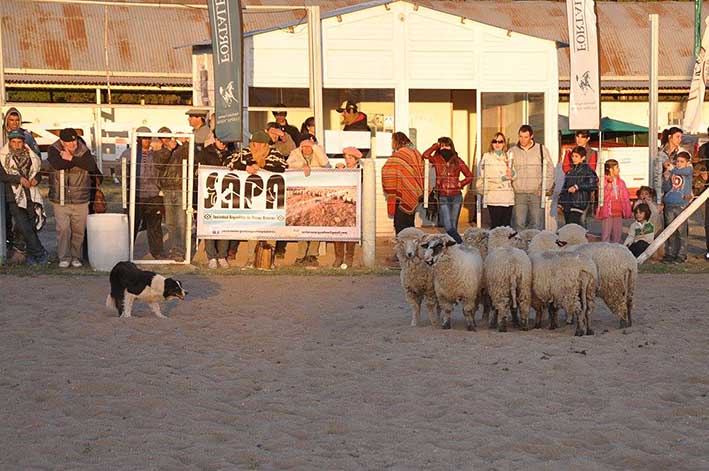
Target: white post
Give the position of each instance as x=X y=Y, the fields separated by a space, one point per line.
x=61 y=187
x=369 y=207
x=478 y=152
x=669 y=230
x=189 y=210
x=2 y=80
x=98 y=138
x=316 y=74
x=653 y=99
x=3 y=236
x=124 y=182
x=131 y=208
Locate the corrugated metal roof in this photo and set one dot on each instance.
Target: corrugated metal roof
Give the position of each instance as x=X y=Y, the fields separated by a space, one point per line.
x=142 y=40
x=97 y=80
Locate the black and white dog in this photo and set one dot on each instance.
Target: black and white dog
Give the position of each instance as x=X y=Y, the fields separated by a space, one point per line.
x=128 y=283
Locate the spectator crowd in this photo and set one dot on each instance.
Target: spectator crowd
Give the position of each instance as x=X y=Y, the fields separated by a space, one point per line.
x=518 y=182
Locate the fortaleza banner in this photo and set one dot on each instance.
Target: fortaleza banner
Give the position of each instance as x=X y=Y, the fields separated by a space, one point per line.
x=233 y=205
x=227 y=47
x=693 y=121
x=585 y=92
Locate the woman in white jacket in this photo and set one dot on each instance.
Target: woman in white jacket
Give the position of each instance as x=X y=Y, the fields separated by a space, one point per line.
x=495 y=174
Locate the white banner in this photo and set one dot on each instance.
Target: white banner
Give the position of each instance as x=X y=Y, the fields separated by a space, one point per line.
x=693 y=113
x=233 y=205
x=585 y=90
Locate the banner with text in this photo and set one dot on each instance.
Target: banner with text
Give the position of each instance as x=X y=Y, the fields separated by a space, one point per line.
x=227 y=47
x=233 y=205
x=693 y=121
x=585 y=90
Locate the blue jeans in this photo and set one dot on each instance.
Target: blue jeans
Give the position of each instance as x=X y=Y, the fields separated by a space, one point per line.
x=448 y=214
x=676 y=245
x=528 y=211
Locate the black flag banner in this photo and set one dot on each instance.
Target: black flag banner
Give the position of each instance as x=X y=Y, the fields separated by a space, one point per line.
x=227 y=55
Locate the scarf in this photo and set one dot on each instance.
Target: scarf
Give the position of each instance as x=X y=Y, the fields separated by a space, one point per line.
x=25 y=164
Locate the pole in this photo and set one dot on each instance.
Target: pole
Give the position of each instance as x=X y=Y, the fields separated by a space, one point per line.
x=2 y=73
x=697 y=27
x=316 y=74
x=98 y=131
x=369 y=207
x=3 y=236
x=653 y=99
x=669 y=230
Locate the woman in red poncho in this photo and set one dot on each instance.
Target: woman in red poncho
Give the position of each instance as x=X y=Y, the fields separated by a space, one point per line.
x=402 y=181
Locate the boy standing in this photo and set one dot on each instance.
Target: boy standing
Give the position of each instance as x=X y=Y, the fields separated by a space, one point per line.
x=677 y=189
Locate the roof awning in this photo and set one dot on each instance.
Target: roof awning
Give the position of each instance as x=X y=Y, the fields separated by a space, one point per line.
x=608 y=125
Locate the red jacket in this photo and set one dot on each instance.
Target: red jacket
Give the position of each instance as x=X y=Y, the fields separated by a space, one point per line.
x=448 y=182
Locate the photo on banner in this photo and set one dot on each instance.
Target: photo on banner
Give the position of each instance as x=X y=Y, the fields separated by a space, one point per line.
x=234 y=205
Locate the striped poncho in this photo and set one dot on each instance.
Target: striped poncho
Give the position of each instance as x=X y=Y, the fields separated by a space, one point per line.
x=402 y=179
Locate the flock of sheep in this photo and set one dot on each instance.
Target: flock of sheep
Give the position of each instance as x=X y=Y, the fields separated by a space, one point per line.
x=509 y=273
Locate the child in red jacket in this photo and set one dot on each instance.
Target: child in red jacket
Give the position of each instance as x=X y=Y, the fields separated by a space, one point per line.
x=616 y=204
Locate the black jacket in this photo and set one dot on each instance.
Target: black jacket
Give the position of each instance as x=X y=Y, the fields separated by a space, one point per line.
x=586 y=182
x=78 y=173
x=359 y=124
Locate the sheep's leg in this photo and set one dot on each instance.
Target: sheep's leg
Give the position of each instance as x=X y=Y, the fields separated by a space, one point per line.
x=469 y=313
x=580 y=324
x=524 y=314
x=447 y=315
x=503 y=308
x=539 y=308
x=515 y=317
x=415 y=302
x=434 y=313
x=487 y=306
x=553 y=316
x=493 y=319
x=630 y=309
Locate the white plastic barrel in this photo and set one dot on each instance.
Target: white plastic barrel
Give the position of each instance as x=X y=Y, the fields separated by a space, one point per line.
x=107 y=240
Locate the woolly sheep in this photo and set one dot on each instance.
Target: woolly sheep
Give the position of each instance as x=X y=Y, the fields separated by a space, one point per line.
x=476 y=237
x=617 y=273
x=508 y=281
x=457 y=276
x=567 y=279
x=416 y=275
x=572 y=234
x=503 y=236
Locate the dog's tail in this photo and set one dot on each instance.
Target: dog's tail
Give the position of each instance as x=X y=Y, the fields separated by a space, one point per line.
x=110 y=302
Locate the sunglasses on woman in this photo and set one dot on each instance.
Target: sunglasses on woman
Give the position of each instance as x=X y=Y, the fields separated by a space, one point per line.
x=498 y=141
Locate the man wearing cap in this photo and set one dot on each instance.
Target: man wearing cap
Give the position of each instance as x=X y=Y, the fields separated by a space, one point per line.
x=20 y=174
x=280 y=140
x=169 y=157
x=282 y=123
x=309 y=155
x=149 y=200
x=198 y=120
x=260 y=155
x=353 y=119
x=71 y=155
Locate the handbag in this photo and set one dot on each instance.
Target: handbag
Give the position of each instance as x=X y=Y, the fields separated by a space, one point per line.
x=99 y=203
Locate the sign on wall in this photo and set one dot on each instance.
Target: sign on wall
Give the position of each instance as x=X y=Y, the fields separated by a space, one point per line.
x=234 y=205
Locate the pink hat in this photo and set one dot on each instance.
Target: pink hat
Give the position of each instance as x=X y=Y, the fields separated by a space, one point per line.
x=353 y=151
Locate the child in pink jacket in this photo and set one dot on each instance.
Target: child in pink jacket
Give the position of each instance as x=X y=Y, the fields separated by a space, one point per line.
x=616 y=204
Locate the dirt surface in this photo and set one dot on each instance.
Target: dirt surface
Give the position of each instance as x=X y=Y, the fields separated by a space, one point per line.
x=285 y=372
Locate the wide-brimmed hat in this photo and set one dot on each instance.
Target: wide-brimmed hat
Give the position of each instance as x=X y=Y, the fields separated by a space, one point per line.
x=197 y=112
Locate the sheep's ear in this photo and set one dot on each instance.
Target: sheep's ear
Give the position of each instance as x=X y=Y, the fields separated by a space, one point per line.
x=561 y=243
x=450 y=242
x=513 y=235
x=424 y=245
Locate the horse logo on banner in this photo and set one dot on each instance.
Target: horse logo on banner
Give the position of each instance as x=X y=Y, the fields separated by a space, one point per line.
x=585 y=82
x=228 y=94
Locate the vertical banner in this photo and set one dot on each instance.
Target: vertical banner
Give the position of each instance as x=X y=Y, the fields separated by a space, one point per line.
x=585 y=90
x=227 y=54
x=693 y=112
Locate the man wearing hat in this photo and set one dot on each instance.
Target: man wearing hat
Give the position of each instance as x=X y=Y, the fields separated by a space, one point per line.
x=169 y=157
x=20 y=174
x=352 y=118
x=280 y=116
x=70 y=154
x=198 y=120
x=260 y=155
x=280 y=140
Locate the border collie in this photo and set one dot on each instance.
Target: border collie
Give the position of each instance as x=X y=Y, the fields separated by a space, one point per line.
x=128 y=283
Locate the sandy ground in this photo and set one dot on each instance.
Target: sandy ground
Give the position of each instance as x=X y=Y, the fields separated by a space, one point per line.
x=324 y=373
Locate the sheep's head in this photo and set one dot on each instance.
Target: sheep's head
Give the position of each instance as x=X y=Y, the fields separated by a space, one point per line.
x=435 y=247
x=526 y=237
x=573 y=234
x=504 y=236
x=545 y=240
x=407 y=248
x=476 y=237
